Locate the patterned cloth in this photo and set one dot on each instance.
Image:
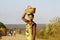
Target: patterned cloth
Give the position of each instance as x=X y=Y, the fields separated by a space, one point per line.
x=28 y=32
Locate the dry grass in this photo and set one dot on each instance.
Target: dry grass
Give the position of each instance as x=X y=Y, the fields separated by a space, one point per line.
x=16 y=37
x=51 y=31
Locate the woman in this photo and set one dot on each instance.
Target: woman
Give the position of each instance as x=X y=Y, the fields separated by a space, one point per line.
x=30 y=26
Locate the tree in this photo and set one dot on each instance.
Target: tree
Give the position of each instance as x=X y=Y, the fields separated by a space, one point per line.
x=2 y=25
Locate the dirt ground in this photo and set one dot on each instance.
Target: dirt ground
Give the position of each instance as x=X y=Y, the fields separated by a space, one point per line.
x=16 y=37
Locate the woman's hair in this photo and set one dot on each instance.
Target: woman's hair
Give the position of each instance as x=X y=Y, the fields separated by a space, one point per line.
x=31 y=14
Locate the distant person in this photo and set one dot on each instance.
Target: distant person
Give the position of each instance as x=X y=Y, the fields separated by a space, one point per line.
x=30 y=24
x=14 y=32
x=11 y=32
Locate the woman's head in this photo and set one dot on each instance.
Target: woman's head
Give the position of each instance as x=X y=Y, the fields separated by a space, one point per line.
x=30 y=17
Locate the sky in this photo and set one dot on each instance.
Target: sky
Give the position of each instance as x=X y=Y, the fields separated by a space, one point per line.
x=12 y=10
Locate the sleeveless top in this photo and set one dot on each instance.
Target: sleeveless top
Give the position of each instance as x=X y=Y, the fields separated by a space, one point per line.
x=29 y=31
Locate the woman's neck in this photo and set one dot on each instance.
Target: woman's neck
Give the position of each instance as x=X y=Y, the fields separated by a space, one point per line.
x=30 y=22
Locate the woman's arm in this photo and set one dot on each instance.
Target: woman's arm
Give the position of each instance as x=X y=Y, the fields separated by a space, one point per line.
x=23 y=17
x=34 y=31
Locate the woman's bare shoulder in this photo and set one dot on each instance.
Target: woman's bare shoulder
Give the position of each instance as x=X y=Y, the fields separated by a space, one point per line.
x=34 y=23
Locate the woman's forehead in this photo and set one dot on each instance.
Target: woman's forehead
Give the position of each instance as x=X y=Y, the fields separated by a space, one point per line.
x=30 y=15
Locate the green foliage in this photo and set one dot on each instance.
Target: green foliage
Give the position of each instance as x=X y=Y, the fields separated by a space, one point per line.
x=2 y=25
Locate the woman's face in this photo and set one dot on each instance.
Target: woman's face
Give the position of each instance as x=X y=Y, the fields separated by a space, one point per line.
x=30 y=17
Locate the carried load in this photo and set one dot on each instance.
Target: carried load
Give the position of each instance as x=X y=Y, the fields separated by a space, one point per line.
x=30 y=10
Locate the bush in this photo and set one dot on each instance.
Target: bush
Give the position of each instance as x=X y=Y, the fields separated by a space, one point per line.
x=52 y=30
